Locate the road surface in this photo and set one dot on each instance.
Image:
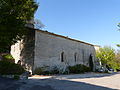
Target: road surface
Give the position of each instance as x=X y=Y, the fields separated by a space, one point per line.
x=88 y=81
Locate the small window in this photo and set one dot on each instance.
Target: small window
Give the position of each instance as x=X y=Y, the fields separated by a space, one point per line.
x=62 y=57
x=75 y=57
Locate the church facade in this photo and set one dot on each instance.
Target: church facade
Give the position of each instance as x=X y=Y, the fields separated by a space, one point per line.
x=42 y=48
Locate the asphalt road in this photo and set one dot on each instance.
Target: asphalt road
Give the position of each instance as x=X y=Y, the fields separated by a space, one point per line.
x=8 y=84
x=89 y=81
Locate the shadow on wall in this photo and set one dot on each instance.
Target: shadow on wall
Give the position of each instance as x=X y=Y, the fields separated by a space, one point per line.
x=27 y=52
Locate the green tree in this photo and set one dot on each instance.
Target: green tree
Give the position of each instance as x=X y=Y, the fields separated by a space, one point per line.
x=117 y=59
x=106 y=55
x=118 y=45
x=118 y=25
x=14 y=15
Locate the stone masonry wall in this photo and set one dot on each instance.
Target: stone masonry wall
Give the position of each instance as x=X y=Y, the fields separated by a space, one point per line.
x=40 y=48
x=49 y=49
x=23 y=50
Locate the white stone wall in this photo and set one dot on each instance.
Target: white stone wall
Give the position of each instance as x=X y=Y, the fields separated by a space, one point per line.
x=16 y=50
x=48 y=49
x=96 y=47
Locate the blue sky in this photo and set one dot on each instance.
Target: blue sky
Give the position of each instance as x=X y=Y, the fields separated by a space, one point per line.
x=92 y=21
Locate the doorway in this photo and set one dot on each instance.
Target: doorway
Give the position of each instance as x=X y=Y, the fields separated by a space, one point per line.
x=91 y=62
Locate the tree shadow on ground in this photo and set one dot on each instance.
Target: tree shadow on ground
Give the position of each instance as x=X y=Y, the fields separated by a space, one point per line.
x=55 y=84
x=7 y=82
x=47 y=84
x=10 y=84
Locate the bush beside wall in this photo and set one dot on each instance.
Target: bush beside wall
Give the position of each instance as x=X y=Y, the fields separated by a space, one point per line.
x=8 y=57
x=46 y=71
x=79 y=68
x=9 y=68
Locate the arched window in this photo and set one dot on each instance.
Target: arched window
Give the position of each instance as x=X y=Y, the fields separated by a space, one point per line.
x=75 y=57
x=62 y=57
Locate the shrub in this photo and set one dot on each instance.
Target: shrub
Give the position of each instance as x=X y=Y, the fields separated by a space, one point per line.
x=8 y=57
x=16 y=77
x=79 y=68
x=38 y=71
x=54 y=70
x=46 y=71
x=8 y=68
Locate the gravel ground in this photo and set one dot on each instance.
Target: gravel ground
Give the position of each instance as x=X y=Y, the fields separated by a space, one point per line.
x=88 y=81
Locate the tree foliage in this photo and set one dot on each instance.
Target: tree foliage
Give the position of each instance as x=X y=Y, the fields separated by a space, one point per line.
x=118 y=45
x=118 y=25
x=14 y=15
x=117 y=59
x=105 y=54
x=109 y=58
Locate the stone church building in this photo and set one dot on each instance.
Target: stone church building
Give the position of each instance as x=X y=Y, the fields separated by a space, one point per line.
x=42 y=48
